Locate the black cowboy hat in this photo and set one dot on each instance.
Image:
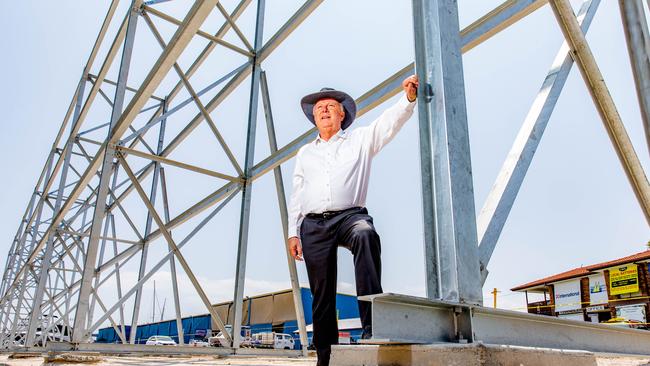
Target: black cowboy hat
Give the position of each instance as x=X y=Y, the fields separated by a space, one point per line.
x=348 y=103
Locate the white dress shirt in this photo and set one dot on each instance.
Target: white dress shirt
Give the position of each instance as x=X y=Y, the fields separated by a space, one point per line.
x=333 y=175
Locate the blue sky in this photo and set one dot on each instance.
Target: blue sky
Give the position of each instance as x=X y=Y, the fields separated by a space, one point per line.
x=575 y=206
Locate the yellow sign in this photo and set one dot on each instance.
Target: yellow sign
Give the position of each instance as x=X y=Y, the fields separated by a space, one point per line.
x=623 y=279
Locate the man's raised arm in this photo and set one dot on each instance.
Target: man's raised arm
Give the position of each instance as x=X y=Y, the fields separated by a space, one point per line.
x=382 y=130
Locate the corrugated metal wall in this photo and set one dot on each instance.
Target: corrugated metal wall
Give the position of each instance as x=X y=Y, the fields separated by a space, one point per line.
x=272 y=312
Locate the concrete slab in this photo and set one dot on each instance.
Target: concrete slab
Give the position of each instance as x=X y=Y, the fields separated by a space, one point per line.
x=474 y=355
x=369 y=355
x=158 y=360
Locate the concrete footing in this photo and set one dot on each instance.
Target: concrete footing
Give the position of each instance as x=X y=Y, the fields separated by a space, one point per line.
x=72 y=357
x=476 y=354
x=19 y=355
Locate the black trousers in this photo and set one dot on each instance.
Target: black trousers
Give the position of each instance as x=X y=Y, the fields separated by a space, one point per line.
x=321 y=235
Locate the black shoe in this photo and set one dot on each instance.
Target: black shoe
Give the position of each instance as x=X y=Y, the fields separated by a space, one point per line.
x=323 y=357
x=367 y=332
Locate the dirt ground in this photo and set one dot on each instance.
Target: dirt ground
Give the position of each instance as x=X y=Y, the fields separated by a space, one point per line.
x=172 y=361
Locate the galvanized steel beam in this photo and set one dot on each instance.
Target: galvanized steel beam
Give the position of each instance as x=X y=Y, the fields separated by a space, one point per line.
x=408 y=319
x=451 y=248
x=282 y=203
x=637 y=37
x=501 y=198
x=158 y=265
x=480 y=31
x=451 y=237
x=49 y=247
x=604 y=102
x=174 y=249
x=82 y=314
x=177 y=44
x=247 y=187
x=275 y=40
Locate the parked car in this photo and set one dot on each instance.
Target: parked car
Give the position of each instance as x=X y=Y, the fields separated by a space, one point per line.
x=199 y=343
x=625 y=323
x=272 y=340
x=159 y=340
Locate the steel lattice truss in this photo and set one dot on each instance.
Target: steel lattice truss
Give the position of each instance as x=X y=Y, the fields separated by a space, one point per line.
x=71 y=244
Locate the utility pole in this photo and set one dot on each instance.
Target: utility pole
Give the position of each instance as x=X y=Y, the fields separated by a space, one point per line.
x=153 y=306
x=494 y=294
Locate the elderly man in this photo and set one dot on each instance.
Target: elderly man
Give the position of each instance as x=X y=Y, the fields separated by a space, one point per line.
x=330 y=183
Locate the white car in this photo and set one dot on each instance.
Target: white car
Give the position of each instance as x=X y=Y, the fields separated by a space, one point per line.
x=198 y=343
x=159 y=340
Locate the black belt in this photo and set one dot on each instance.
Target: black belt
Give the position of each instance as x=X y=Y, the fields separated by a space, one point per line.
x=329 y=214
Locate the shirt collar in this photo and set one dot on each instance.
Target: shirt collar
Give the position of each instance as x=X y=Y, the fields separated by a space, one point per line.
x=339 y=135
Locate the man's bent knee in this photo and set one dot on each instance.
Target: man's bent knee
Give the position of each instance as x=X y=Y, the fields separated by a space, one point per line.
x=363 y=232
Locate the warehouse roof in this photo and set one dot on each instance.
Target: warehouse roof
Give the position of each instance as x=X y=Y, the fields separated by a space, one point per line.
x=584 y=271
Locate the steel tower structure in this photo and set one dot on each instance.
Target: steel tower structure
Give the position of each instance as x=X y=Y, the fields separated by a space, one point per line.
x=70 y=244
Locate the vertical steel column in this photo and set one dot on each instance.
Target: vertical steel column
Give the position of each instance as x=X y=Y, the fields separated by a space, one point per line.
x=85 y=290
x=451 y=251
x=240 y=271
x=49 y=247
x=118 y=277
x=172 y=263
x=638 y=46
x=107 y=224
x=147 y=230
x=282 y=203
x=68 y=294
x=138 y=294
x=172 y=260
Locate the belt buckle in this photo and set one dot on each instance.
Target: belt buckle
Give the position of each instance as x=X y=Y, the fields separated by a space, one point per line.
x=328 y=214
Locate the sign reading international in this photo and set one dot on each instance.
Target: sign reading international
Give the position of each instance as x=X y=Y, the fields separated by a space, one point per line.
x=623 y=279
x=567 y=296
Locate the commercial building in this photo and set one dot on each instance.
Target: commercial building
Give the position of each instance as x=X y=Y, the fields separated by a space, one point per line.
x=262 y=313
x=619 y=288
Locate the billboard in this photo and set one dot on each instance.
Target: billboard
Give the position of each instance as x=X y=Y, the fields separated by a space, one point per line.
x=597 y=290
x=623 y=279
x=631 y=312
x=567 y=295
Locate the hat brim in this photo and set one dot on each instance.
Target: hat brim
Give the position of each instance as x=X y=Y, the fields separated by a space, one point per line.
x=350 y=107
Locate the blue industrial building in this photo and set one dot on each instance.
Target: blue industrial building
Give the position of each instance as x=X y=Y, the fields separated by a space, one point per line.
x=263 y=313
